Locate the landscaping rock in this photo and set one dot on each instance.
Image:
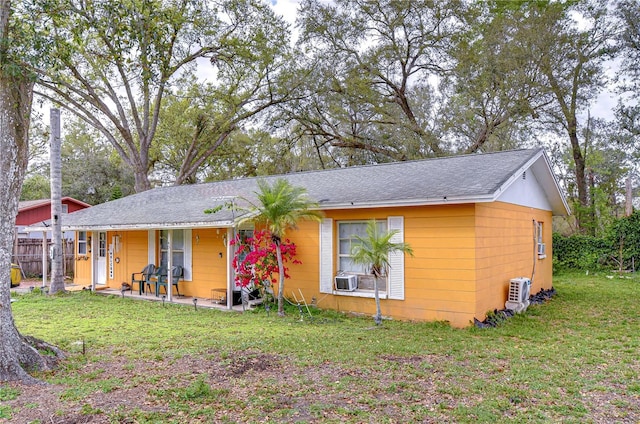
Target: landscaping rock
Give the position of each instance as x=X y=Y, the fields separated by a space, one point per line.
x=542 y=296
x=498 y=316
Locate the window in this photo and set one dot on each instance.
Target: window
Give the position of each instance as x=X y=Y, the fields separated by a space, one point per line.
x=177 y=247
x=339 y=236
x=540 y=246
x=244 y=234
x=347 y=232
x=102 y=244
x=181 y=247
x=82 y=242
x=65 y=208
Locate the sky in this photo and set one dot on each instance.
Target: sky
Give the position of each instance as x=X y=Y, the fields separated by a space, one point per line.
x=286 y=8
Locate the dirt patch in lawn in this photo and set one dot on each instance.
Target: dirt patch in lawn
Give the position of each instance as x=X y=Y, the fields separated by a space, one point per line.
x=248 y=387
x=253 y=386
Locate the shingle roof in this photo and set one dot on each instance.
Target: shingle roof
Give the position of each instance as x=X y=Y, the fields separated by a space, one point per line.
x=456 y=179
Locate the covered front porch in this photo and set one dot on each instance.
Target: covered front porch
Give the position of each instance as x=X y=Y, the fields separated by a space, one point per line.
x=199 y=260
x=190 y=251
x=214 y=302
x=217 y=301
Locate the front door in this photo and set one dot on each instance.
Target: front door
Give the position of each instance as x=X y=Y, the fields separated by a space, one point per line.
x=101 y=262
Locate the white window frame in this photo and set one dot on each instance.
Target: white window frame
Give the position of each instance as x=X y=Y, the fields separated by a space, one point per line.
x=102 y=244
x=357 y=270
x=187 y=249
x=540 y=246
x=82 y=243
x=395 y=277
x=164 y=247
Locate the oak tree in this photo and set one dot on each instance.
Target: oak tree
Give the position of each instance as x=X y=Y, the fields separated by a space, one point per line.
x=18 y=353
x=113 y=66
x=370 y=71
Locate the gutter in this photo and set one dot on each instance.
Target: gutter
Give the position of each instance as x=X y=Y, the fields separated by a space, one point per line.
x=174 y=226
x=444 y=200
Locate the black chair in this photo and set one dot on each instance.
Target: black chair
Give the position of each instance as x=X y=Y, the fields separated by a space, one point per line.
x=142 y=278
x=176 y=274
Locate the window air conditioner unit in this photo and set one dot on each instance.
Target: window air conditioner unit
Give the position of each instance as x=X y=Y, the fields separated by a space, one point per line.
x=518 y=296
x=542 y=249
x=346 y=282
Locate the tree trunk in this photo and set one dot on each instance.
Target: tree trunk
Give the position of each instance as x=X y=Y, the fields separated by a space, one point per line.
x=281 y=279
x=57 y=272
x=141 y=180
x=376 y=292
x=583 y=210
x=17 y=354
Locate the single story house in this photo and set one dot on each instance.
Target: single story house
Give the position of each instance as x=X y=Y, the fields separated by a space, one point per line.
x=474 y=222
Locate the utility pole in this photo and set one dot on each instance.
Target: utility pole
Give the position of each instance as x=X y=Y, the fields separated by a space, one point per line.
x=57 y=273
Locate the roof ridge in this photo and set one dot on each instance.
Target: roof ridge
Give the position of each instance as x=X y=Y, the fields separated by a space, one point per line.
x=365 y=166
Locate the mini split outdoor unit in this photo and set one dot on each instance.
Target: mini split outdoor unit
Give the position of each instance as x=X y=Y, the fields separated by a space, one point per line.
x=518 y=297
x=346 y=282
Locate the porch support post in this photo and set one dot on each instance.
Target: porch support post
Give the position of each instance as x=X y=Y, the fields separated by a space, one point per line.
x=230 y=282
x=169 y=264
x=94 y=259
x=45 y=254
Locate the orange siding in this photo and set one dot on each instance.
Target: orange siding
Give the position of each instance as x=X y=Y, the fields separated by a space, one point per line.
x=82 y=271
x=505 y=250
x=304 y=276
x=209 y=269
x=129 y=257
x=439 y=278
x=464 y=257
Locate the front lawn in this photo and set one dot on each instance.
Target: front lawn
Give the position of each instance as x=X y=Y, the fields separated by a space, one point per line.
x=574 y=359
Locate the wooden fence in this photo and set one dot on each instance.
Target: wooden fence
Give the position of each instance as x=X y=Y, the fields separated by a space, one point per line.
x=29 y=257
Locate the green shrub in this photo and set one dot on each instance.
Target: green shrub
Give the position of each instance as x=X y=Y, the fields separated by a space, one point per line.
x=624 y=238
x=619 y=249
x=580 y=251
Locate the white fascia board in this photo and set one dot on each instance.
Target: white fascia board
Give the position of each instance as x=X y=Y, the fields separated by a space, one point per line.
x=182 y=225
x=411 y=202
x=562 y=199
x=547 y=180
x=517 y=174
x=152 y=226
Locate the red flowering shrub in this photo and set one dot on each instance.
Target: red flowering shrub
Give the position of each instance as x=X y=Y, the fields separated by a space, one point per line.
x=255 y=260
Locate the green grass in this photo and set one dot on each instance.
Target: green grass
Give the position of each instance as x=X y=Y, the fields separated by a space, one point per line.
x=574 y=359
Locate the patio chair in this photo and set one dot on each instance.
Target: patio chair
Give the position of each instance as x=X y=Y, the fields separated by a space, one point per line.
x=176 y=274
x=142 y=278
x=251 y=297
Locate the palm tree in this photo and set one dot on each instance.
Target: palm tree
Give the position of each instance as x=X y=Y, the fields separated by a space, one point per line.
x=373 y=252
x=281 y=206
x=57 y=260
